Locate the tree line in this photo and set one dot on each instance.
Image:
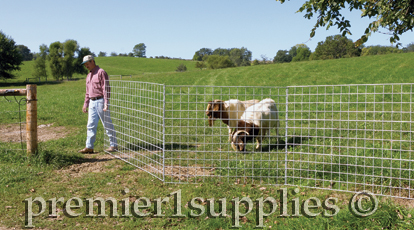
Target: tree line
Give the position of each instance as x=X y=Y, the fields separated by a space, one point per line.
x=222 y=58
x=334 y=47
x=64 y=58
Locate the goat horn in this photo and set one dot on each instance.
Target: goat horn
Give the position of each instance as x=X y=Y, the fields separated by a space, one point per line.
x=235 y=138
x=237 y=133
x=233 y=146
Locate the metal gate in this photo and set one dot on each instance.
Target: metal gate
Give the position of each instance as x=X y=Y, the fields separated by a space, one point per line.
x=343 y=137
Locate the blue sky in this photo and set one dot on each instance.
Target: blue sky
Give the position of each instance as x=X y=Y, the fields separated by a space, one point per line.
x=171 y=28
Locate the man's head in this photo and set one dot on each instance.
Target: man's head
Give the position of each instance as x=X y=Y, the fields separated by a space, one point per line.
x=89 y=62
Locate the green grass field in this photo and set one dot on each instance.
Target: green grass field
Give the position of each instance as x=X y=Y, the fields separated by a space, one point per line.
x=59 y=171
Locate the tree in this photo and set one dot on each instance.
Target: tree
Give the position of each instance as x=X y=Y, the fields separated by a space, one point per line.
x=335 y=47
x=56 y=60
x=69 y=49
x=66 y=58
x=10 y=57
x=221 y=52
x=282 y=56
x=410 y=47
x=219 y=62
x=293 y=51
x=240 y=57
x=202 y=54
x=113 y=54
x=265 y=59
x=25 y=52
x=139 y=50
x=102 y=54
x=78 y=67
x=397 y=16
x=40 y=63
x=302 y=53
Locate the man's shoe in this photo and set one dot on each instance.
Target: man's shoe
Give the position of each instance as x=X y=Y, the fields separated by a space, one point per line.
x=86 y=150
x=112 y=149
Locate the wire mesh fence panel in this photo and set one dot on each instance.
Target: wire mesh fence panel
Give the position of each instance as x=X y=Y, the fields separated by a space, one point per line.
x=136 y=111
x=198 y=143
x=351 y=138
x=13 y=123
x=343 y=137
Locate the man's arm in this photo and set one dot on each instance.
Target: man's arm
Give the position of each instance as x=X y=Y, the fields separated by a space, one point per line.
x=86 y=102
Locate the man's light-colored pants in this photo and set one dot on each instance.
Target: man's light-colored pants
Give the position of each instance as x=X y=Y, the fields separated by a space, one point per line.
x=95 y=114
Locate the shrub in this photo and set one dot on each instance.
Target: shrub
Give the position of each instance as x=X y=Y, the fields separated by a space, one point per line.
x=219 y=62
x=200 y=65
x=181 y=68
x=376 y=50
x=335 y=47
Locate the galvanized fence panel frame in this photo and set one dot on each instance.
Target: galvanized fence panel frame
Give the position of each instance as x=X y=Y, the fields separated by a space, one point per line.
x=196 y=152
x=137 y=113
x=360 y=138
x=336 y=137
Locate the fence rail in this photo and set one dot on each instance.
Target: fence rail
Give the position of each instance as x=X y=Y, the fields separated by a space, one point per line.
x=337 y=137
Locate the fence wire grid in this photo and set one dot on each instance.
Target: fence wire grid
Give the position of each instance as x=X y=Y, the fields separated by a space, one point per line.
x=13 y=123
x=337 y=137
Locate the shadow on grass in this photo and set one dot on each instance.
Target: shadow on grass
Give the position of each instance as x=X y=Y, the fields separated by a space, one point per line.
x=281 y=144
x=41 y=159
x=94 y=160
x=56 y=159
x=158 y=146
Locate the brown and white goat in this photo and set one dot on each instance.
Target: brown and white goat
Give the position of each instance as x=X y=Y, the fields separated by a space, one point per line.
x=229 y=112
x=256 y=121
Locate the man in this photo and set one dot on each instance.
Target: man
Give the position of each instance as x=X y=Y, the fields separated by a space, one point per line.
x=96 y=99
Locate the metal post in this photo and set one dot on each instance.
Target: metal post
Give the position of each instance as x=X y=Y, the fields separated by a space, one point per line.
x=163 y=133
x=31 y=119
x=286 y=133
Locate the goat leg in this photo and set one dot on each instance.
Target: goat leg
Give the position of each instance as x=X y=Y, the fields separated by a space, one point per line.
x=230 y=133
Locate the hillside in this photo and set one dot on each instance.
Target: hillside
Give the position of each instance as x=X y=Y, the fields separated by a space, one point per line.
x=114 y=66
x=392 y=68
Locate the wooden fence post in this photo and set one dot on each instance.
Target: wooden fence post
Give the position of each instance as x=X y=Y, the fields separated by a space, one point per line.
x=31 y=119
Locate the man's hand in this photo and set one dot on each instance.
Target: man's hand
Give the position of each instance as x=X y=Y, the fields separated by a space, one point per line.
x=105 y=107
x=84 y=109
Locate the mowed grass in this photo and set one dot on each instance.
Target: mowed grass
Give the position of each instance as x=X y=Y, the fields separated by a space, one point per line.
x=113 y=66
x=22 y=177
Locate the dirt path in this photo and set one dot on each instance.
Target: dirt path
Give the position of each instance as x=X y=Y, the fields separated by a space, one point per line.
x=15 y=133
